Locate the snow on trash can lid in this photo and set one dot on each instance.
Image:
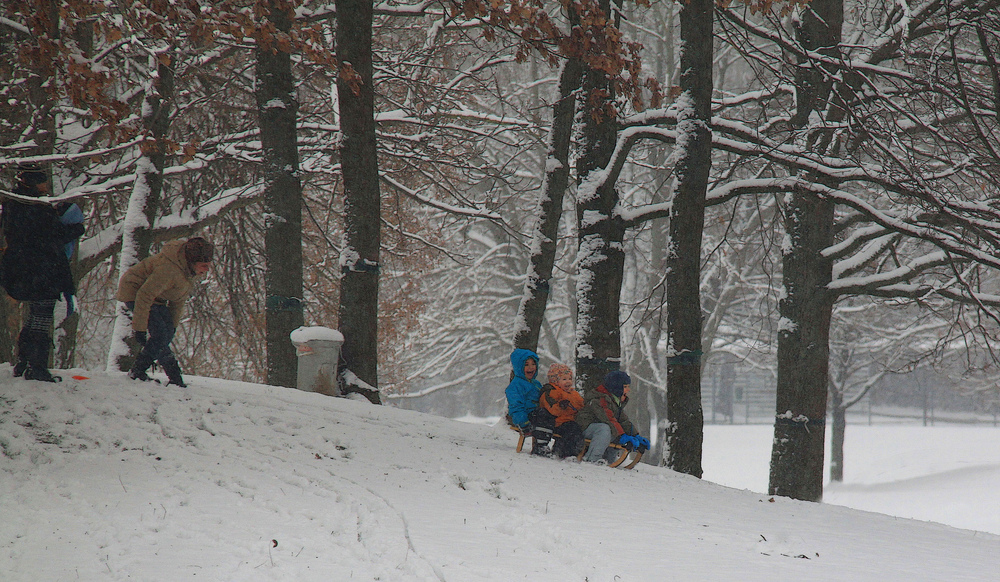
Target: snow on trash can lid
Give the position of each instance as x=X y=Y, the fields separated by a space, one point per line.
x=307 y=334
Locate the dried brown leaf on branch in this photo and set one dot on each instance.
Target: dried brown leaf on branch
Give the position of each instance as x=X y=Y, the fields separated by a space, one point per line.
x=351 y=77
x=594 y=39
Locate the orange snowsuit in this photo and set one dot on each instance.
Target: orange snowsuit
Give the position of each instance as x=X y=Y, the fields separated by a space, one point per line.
x=562 y=404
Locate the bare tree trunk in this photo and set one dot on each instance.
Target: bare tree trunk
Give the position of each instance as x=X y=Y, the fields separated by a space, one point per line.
x=359 y=283
x=601 y=257
x=37 y=125
x=144 y=201
x=804 y=331
x=10 y=322
x=837 y=433
x=66 y=330
x=656 y=395
x=278 y=110
x=803 y=352
x=531 y=312
x=684 y=430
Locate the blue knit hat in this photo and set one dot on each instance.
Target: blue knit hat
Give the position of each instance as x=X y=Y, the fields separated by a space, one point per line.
x=615 y=382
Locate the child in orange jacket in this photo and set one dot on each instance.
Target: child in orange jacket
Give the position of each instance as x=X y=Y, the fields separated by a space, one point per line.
x=562 y=401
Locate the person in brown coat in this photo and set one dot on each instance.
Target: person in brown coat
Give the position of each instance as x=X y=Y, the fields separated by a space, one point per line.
x=155 y=291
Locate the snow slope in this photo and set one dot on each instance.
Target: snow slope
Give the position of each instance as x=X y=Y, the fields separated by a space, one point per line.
x=946 y=473
x=106 y=479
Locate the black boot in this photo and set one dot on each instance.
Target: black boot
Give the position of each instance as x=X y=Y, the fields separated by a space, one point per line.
x=173 y=371
x=38 y=358
x=568 y=440
x=543 y=423
x=541 y=445
x=138 y=371
x=23 y=349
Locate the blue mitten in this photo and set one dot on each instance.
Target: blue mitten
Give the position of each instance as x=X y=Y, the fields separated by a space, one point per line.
x=642 y=442
x=627 y=441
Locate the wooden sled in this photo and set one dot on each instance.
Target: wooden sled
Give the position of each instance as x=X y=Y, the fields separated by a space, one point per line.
x=520 y=436
x=618 y=462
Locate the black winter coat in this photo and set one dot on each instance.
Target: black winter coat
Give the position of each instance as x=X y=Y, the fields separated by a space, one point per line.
x=34 y=265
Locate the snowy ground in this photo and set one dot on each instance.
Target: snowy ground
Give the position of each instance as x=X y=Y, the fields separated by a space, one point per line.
x=947 y=474
x=105 y=479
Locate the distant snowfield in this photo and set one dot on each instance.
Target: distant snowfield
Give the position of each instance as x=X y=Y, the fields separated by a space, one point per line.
x=948 y=474
x=107 y=479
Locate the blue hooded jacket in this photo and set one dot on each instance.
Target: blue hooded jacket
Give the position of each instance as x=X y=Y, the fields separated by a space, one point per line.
x=522 y=394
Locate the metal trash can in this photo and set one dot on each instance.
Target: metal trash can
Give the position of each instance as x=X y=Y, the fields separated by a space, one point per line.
x=318 y=351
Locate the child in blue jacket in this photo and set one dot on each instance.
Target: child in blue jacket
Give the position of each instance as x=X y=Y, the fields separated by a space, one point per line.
x=522 y=399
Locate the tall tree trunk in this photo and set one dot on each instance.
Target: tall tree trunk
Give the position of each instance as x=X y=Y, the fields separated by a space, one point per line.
x=10 y=323
x=803 y=351
x=656 y=395
x=359 y=260
x=806 y=309
x=601 y=256
x=685 y=426
x=144 y=201
x=277 y=107
x=837 y=433
x=67 y=330
x=531 y=312
x=39 y=128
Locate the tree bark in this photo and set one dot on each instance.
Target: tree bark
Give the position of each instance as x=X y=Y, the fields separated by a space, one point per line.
x=277 y=107
x=144 y=201
x=531 y=312
x=837 y=433
x=803 y=352
x=685 y=421
x=601 y=257
x=359 y=284
x=66 y=332
x=797 y=452
x=37 y=123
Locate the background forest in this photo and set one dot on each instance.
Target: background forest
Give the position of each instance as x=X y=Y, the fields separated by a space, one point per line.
x=804 y=192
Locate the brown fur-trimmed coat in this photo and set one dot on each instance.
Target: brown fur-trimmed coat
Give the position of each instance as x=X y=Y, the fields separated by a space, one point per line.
x=164 y=278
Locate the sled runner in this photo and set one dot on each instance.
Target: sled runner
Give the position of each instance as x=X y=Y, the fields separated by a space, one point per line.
x=618 y=462
x=520 y=435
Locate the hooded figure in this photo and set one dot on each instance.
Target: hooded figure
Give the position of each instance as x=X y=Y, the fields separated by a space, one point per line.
x=522 y=392
x=155 y=291
x=559 y=397
x=603 y=418
x=607 y=405
x=561 y=401
x=35 y=267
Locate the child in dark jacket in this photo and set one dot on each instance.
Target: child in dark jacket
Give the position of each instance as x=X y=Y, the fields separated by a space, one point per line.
x=562 y=402
x=604 y=421
x=522 y=400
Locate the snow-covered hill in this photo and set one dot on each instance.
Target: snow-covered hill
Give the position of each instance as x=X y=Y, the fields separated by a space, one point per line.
x=106 y=479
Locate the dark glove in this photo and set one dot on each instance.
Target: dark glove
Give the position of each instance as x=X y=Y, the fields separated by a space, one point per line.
x=75 y=231
x=140 y=338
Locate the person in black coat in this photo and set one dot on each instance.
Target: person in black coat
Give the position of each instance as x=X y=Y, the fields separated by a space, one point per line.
x=35 y=267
